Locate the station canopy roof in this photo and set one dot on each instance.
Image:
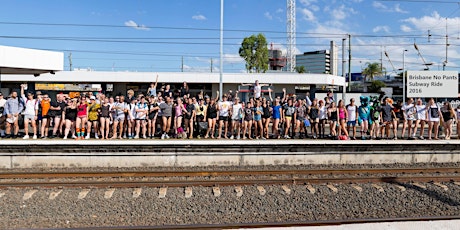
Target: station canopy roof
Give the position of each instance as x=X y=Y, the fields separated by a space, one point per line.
x=22 y=61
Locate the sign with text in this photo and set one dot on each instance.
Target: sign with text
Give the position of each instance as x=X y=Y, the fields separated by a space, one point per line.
x=436 y=84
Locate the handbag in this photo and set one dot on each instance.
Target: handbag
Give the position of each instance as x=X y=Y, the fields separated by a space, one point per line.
x=307 y=123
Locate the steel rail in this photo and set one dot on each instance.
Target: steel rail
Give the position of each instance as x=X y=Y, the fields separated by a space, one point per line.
x=236 y=182
x=47 y=175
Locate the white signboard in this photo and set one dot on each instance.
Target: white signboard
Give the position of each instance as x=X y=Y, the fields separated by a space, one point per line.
x=436 y=84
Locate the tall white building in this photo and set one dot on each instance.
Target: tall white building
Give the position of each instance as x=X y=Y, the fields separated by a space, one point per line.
x=320 y=61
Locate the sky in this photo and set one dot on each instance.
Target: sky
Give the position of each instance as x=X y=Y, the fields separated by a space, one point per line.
x=183 y=35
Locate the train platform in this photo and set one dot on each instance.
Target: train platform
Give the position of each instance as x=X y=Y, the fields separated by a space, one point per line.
x=433 y=225
x=58 y=153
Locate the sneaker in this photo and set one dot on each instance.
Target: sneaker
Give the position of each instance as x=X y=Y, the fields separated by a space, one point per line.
x=421 y=138
x=167 y=136
x=144 y=137
x=74 y=137
x=232 y=137
x=65 y=138
x=97 y=137
x=263 y=138
x=163 y=136
x=124 y=136
x=136 y=137
x=87 y=137
x=44 y=137
x=395 y=138
x=238 y=137
x=34 y=137
x=26 y=137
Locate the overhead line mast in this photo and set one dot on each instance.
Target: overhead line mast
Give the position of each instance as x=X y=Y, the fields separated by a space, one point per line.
x=291 y=35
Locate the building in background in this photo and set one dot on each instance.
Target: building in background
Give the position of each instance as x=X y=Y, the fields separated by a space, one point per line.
x=321 y=61
x=276 y=59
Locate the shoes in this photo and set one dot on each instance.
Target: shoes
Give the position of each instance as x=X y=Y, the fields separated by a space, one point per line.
x=421 y=138
x=34 y=137
x=74 y=137
x=167 y=136
x=232 y=137
x=96 y=136
x=163 y=136
x=238 y=137
x=144 y=137
x=26 y=137
x=136 y=137
x=65 y=138
x=87 y=137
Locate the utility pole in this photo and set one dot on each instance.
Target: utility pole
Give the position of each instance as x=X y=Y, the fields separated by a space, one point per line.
x=211 y=65
x=349 y=62
x=70 y=61
x=182 y=64
x=343 y=70
x=447 y=45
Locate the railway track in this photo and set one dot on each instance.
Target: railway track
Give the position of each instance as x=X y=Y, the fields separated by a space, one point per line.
x=236 y=178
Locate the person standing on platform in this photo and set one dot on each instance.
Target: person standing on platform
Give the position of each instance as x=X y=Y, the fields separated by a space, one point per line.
x=120 y=108
x=152 y=118
x=343 y=117
x=166 y=114
x=30 y=112
x=93 y=116
x=448 y=116
x=70 y=116
x=45 y=104
x=433 y=117
x=421 y=118
x=409 y=112
x=82 y=117
x=56 y=110
x=211 y=114
x=13 y=108
x=141 y=110
x=190 y=116
x=105 y=117
x=386 y=117
x=352 y=111
x=223 y=108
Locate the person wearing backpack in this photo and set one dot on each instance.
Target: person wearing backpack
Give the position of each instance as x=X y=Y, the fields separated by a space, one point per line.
x=30 y=112
x=13 y=108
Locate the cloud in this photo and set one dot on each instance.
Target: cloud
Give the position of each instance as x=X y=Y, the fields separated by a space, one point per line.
x=199 y=17
x=136 y=26
x=279 y=11
x=395 y=9
x=377 y=29
x=307 y=2
x=406 y=28
x=268 y=15
x=307 y=14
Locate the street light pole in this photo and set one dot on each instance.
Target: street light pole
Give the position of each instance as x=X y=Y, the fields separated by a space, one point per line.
x=404 y=77
x=221 y=85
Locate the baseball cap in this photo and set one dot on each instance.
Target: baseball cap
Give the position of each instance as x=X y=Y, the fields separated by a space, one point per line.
x=92 y=98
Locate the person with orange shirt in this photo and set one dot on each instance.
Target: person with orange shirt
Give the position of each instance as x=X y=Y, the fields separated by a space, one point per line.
x=45 y=104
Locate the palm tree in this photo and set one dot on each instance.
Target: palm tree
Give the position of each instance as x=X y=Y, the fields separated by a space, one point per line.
x=372 y=70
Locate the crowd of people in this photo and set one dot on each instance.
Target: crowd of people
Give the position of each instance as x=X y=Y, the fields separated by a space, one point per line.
x=164 y=113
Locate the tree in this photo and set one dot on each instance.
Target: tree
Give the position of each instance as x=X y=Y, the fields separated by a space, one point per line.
x=376 y=86
x=372 y=70
x=254 y=51
x=300 y=69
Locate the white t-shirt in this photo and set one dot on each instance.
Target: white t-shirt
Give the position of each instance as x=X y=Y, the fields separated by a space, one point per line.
x=2 y=102
x=351 y=109
x=421 y=112
x=257 y=91
x=141 y=114
x=236 y=112
x=224 y=106
x=410 y=111
x=30 y=106
x=433 y=113
x=322 y=113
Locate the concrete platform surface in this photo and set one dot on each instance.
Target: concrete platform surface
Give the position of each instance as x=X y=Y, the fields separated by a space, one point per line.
x=432 y=225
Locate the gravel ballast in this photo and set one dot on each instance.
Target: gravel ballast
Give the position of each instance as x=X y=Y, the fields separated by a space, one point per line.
x=122 y=208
